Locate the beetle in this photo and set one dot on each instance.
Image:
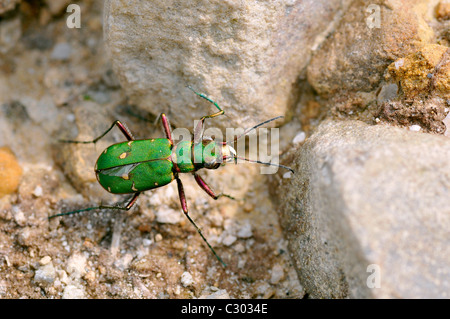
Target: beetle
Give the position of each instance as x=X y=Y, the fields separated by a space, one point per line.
x=135 y=166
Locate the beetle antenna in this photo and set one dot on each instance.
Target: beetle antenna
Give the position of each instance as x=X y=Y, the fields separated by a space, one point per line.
x=265 y=163
x=246 y=131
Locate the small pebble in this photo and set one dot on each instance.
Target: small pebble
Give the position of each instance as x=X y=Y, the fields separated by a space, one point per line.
x=38 y=191
x=147 y=242
x=245 y=231
x=167 y=215
x=10 y=172
x=277 y=274
x=229 y=240
x=90 y=276
x=220 y=294
x=73 y=292
x=76 y=265
x=287 y=174
x=158 y=237
x=61 y=51
x=415 y=128
x=19 y=216
x=186 y=279
x=299 y=138
x=45 y=275
x=45 y=260
x=399 y=63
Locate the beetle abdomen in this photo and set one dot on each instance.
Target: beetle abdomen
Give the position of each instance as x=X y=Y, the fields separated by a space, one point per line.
x=134 y=152
x=135 y=166
x=137 y=177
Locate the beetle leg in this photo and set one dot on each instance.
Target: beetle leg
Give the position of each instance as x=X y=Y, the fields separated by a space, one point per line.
x=203 y=185
x=125 y=131
x=127 y=207
x=185 y=210
x=198 y=131
x=166 y=126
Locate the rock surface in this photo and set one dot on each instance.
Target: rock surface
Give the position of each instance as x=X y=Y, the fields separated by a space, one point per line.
x=358 y=52
x=426 y=71
x=6 y=5
x=245 y=55
x=369 y=201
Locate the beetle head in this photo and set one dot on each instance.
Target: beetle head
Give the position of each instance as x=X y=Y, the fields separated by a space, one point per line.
x=217 y=153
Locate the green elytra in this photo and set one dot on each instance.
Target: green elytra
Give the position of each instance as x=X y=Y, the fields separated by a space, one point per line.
x=135 y=166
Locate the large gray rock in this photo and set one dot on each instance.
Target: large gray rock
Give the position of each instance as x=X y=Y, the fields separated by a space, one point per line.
x=245 y=55
x=370 y=203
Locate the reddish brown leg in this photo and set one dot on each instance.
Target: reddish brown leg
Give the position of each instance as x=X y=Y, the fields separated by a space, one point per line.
x=185 y=210
x=166 y=126
x=203 y=185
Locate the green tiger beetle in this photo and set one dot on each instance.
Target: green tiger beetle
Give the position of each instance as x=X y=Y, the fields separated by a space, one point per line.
x=135 y=166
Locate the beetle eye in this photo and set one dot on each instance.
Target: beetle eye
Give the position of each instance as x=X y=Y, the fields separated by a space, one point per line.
x=212 y=164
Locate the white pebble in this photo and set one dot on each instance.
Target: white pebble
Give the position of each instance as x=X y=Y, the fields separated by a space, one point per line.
x=220 y=294
x=299 y=138
x=168 y=215
x=415 y=128
x=245 y=231
x=147 y=242
x=45 y=274
x=228 y=240
x=277 y=273
x=158 y=237
x=287 y=174
x=186 y=279
x=399 y=63
x=73 y=292
x=45 y=260
x=38 y=191
x=76 y=265
x=70 y=117
x=61 y=51
x=19 y=216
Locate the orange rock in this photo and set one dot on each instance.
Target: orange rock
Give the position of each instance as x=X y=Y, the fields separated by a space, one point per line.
x=443 y=11
x=10 y=172
x=424 y=72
